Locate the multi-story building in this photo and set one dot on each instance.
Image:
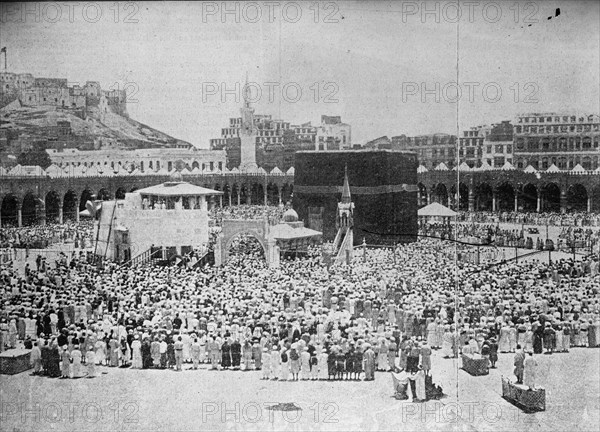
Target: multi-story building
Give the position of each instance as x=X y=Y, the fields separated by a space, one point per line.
x=470 y=144
x=498 y=144
x=306 y=133
x=333 y=134
x=32 y=91
x=381 y=143
x=143 y=159
x=269 y=131
x=277 y=141
x=565 y=140
x=431 y=149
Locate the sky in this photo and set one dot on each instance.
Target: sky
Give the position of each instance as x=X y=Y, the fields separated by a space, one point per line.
x=387 y=68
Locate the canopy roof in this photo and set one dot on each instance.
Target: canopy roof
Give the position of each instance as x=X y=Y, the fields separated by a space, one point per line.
x=464 y=167
x=507 y=166
x=177 y=189
x=284 y=231
x=485 y=166
x=436 y=209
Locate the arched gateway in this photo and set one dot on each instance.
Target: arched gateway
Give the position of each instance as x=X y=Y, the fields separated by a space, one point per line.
x=257 y=228
x=289 y=236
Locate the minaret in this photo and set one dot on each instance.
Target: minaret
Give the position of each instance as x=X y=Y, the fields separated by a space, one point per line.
x=345 y=222
x=247 y=133
x=346 y=199
x=345 y=206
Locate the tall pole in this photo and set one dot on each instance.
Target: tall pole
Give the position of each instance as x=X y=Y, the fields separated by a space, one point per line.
x=549 y=252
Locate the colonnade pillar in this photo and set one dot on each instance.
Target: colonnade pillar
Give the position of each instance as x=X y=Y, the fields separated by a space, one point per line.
x=19 y=214
x=471 y=200
x=40 y=209
x=60 y=211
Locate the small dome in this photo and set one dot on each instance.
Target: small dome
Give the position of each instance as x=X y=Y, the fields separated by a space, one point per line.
x=290 y=216
x=176 y=177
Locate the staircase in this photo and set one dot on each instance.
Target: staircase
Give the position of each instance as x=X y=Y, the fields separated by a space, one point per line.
x=207 y=258
x=347 y=240
x=338 y=238
x=141 y=259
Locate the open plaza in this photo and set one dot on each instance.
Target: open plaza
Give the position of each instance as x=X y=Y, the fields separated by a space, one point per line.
x=394 y=302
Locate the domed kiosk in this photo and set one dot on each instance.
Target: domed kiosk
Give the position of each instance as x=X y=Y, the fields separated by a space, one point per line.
x=290 y=216
x=289 y=237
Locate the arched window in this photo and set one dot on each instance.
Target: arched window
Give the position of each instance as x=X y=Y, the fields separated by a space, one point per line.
x=545 y=144
x=562 y=162
x=587 y=163
x=562 y=143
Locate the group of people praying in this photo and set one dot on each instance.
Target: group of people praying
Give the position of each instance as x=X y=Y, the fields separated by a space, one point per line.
x=390 y=310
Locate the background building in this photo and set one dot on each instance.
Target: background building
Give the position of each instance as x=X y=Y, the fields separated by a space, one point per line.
x=142 y=159
x=333 y=134
x=34 y=92
x=498 y=144
x=431 y=149
x=565 y=140
x=277 y=141
x=470 y=144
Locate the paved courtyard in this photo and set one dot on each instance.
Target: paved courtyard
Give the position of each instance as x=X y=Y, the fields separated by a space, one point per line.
x=204 y=400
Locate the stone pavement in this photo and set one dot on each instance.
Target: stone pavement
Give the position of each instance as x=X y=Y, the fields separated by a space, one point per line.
x=204 y=400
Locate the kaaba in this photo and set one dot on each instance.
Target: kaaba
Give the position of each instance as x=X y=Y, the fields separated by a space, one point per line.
x=383 y=188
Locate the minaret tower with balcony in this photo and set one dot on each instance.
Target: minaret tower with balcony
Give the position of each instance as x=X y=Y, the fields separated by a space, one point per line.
x=247 y=133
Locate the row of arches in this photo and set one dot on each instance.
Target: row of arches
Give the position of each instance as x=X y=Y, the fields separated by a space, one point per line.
x=506 y=197
x=52 y=208
x=562 y=162
x=55 y=207
x=255 y=193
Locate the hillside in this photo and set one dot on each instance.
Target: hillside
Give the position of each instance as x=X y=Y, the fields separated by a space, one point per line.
x=86 y=126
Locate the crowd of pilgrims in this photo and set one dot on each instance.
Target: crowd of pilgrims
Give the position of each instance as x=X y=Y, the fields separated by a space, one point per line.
x=272 y=213
x=584 y=238
x=387 y=312
x=530 y=218
x=486 y=233
x=42 y=236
